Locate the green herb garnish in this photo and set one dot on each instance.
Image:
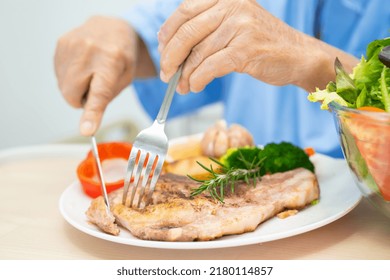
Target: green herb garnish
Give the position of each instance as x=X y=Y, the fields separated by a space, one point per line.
x=228 y=176
x=250 y=164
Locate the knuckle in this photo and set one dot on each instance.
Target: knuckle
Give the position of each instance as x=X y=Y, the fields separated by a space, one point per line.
x=186 y=8
x=186 y=32
x=95 y=107
x=104 y=89
x=102 y=84
x=234 y=61
x=98 y=103
x=87 y=44
x=196 y=56
x=116 y=53
x=110 y=59
x=243 y=22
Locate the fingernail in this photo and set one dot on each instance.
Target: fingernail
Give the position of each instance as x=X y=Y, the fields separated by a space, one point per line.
x=179 y=90
x=87 y=128
x=163 y=77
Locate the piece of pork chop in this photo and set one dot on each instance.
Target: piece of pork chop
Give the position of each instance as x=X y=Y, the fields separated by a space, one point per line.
x=175 y=216
x=98 y=215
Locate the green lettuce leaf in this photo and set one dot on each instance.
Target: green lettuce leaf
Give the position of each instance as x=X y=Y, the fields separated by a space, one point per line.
x=368 y=85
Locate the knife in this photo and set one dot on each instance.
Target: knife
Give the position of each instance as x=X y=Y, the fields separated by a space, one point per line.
x=95 y=152
x=100 y=171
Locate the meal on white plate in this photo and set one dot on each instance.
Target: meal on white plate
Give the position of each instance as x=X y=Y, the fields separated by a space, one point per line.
x=216 y=185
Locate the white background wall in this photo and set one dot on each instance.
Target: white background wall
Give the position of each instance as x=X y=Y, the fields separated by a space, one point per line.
x=32 y=110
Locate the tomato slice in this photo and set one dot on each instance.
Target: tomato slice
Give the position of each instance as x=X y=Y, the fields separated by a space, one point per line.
x=87 y=172
x=372 y=138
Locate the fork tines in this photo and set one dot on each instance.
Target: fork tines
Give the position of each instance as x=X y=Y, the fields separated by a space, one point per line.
x=148 y=153
x=145 y=168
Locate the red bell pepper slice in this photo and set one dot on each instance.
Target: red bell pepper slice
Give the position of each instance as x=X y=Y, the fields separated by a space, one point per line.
x=87 y=172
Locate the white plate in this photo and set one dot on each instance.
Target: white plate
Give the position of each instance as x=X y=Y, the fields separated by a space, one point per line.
x=339 y=195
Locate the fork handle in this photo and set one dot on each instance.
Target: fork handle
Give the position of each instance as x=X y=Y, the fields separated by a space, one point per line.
x=166 y=104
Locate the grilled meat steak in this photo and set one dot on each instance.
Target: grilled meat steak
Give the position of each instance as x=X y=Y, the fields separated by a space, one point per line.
x=98 y=214
x=175 y=216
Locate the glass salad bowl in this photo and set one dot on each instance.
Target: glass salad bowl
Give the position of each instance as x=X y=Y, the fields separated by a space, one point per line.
x=365 y=140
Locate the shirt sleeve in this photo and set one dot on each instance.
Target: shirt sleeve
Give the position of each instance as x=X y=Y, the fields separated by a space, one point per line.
x=146 y=17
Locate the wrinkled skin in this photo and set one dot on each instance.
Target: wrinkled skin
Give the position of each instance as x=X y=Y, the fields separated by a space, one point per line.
x=214 y=37
x=217 y=37
x=95 y=62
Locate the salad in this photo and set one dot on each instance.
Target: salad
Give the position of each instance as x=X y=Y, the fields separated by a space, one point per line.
x=367 y=86
x=365 y=138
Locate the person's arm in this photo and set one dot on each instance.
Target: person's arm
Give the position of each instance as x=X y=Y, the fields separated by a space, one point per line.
x=215 y=37
x=316 y=64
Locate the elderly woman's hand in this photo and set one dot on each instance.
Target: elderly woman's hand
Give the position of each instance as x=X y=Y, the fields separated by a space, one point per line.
x=94 y=62
x=216 y=37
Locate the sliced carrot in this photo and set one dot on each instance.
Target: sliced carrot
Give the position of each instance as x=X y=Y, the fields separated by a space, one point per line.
x=371 y=109
x=309 y=151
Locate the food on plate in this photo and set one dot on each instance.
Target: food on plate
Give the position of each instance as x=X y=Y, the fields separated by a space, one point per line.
x=183 y=149
x=250 y=163
x=114 y=156
x=219 y=138
x=190 y=166
x=277 y=157
x=182 y=211
x=176 y=216
x=365 y=130
x=98 y=214
x=287 y=213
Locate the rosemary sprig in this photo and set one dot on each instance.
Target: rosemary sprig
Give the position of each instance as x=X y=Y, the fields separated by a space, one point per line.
x=227 y=176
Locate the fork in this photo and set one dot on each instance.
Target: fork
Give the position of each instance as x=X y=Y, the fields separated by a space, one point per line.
x=148 y=153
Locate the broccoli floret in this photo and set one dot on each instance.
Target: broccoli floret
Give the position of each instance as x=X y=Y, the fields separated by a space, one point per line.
x=275 y=158
x=283 y=157
x=234 y=157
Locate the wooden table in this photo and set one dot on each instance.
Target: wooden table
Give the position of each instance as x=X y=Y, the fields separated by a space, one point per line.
x=31 y=226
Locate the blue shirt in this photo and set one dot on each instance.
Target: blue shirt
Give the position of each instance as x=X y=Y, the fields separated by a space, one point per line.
x=270 y=113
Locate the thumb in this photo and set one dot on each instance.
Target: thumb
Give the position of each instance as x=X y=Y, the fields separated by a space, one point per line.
x=95 y=103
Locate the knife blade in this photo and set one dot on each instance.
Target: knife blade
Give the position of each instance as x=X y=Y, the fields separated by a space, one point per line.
x=95 y=152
